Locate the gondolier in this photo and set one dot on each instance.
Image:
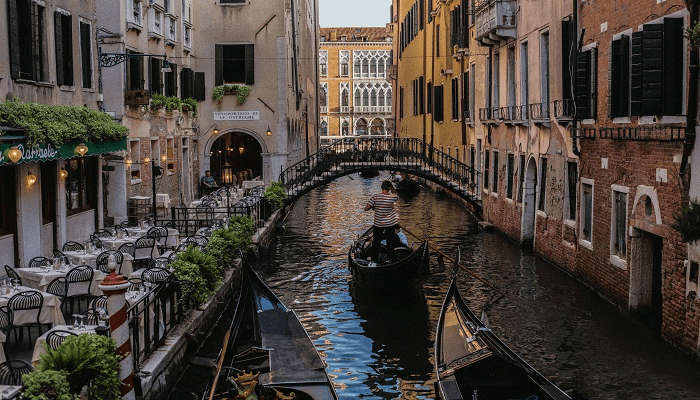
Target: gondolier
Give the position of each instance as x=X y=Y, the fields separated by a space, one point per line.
x=386 y=219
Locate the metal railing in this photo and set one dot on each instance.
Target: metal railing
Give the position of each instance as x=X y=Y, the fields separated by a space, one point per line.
x=188 y=220
x=485 y=115
x=643 y=133
x=564 y=110
x=354 y=154
x=539 y=112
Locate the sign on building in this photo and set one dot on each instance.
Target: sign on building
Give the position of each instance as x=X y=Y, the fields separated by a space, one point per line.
x=236 y=115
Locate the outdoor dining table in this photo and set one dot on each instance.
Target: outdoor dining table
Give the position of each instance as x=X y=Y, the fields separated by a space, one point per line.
x=136 y=232
x=77 y=257
x=8 y=392
x=39 y=278
x=40 y=344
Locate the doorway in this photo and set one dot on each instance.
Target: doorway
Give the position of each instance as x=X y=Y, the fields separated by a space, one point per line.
x=646 y=257
x=529 y=203
x=235 y=153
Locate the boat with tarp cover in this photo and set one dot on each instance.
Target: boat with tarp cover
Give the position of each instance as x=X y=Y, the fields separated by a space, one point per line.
x=266 y=351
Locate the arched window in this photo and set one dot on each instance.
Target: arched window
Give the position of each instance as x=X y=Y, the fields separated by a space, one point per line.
x=344 y=98
x=388 y=98
x=373 y=98
x=361 y=127
x=365 y=97
x=381 y=100
x=323 y=63
x=323 y=96
x=324 y=128
x=344 y=63
x=357 y=67
x=377 y=127
x=358 y=98
x=373 y=67
x=382 y=68
x=345 y=128
x=365 y=67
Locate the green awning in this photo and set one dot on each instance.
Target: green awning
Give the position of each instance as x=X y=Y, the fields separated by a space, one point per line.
x=48 y=152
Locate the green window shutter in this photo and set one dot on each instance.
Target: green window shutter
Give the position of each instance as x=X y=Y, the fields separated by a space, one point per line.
x=199 y=86
x=58 y=31
x=13 y=30
x=583 y=85
x=636 y=78
x=620 y=79
x=652 y=69
x=673 y=46
x=249 y=64
x=67 y=27
x=219 y=69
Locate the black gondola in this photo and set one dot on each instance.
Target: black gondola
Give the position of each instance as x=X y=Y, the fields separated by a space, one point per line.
x=266 y=338
x=471 y=362
x=407 y=262
x=369 y=173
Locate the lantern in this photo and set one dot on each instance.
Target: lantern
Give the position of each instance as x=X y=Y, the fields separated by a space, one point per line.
x=146 y=160
x=268 y=132
x=14 y=154
x=63 y=174
x=216 y=131
x=164 y=158
x=31 y=179
x=128 y=162
x=241 y=149
x=81 y=149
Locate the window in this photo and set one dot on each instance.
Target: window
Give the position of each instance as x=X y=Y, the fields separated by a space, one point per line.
x=455 y=99
x=187 y=83
x=544 y=68
x=134 y=72
x=156 y=21
x=543 y=185
x=86 y=54
x=63 y=27
x=509 y=182
x=421 y=14
x=620 y=77
x=344 y=95
x=155 y=76
x=134 y=14
x=171 y=155
x=472 y=163
x=586 y=79
x=172 y=29
x=658 y=68
x=81 y=184
x=344 y=63
x=324 y=128
x=472 y=93
x=466 y=97
x=170 y=81
x=619 y=225
x=48 y=191
x=438 y=104
x=27 y=42
x=430 y=98
x=414 y=96
x=511 y=77
x=188 y=37
x=567 y=44
x=437 y=41
x=345 y=128
x=401 y=102
x=421 y=95
x=495 y=172
x=572 y=183
x=496 y=80
x=487 y=160
x=199 y=86
x=524 y=99
x=135 y=156
x=8 y=212
x=235 y=64
x=587 y=212
x=323 y=95
x=430 y=10
x=323 y=63
x=521 y=177
x=487 y=80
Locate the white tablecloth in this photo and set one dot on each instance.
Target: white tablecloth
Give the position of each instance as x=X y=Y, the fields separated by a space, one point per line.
x=40 y=344
x=39 y=279
x=50 y=310
x=172 y=241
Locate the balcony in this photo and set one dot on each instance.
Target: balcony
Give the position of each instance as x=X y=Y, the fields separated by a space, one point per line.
x=495 y=21
x=507 y=114
x=564 y=110
x=324 y=109
x=373 y=109
x=496 y=115
x=539 y=113
x=485 y=116
x=345 y=109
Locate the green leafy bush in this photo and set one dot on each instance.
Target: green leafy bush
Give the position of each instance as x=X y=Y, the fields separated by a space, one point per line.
x=59 y=124
x=276 y=194
x=194 y=287
x=688 y=222
x=89 y=360
x=241 y=91
x=172 y=103
x=157 y=102
x=190 y=104
x=47 y=385
x=208 y=268
x=244 y=226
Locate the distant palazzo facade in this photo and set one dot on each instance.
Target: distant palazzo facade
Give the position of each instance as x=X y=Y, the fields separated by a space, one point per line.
x=355 y=93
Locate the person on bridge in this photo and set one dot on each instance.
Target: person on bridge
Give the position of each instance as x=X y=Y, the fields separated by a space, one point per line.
x=386 y=219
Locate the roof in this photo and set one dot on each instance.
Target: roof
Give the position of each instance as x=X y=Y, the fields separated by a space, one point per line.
x=356 y=34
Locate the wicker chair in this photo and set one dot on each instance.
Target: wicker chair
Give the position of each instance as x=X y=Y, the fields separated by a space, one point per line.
x=29 y=301
x=55 y=338
x=12 y=274
x=102 y=261
x=11 y=372
x=72 y=246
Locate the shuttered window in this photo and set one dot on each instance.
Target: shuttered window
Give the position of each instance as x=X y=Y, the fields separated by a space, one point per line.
x=421 y=15
x=620 y=77
x=235 y=64
x=572 y=183
x=566 y=46
x=466 y=94
x=438 y=104
x=509 y=182
x=421 y=95
x=134 y=72
x=199 y=86
x=496 y=165
x=587 y=212
x=63 y=29
x=27 y=40
x=155 y=76
x=543 y=185
x=170 y=81
x=619 y=225
x=86 y=54
x=186 y=83
x=487 y=160
x=400 y=102
x=455 y=98
x=586 y=78
x=521 y=177
x=430 y=98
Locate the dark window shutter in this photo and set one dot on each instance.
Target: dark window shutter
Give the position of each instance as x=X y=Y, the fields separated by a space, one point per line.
x=67 y=27
x=566 y=58
x=173 y=80
x=619 y=78
x=430 y=10
x=465 y=96
x=154 y=76
x=430 y=98
x=58 y=31
x=421 y=15
x=13 y=30
x=199 y=86
x=86 y=54
x=652 y=69
x=249 y=64
x=219 y=59
x=636 y=80
x=139 y=73
x=421 y=94
x=439 y=105
x=594 y=83
x=673 y=66
x=583 y=85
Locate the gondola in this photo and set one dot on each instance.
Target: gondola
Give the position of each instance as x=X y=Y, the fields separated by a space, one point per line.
x=266 y=349
x=471 y=362
x=405 y=186
x=408 y=262
x=369 y=173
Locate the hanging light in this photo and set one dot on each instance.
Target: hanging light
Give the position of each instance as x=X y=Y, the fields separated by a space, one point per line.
x=63 y=174
x=268 y=132
x=216 y=131
x=146 y=160
x=14 y=154
x=241 y=149
x=31 y=179
x=81 y=149
x=128 y=162
x=164 y=158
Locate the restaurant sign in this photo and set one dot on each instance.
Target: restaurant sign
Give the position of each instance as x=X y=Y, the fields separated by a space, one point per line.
x=48 y=152
x=236 y=115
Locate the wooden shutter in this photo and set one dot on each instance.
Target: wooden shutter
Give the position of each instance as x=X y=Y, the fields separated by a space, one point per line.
x=566 y=58
x=421 y=94
x=154 y=76
x=465 y=96
x=13 y=24
x=464 y=23
x=58 y=31
x=249 y=64
x=67 y=27
x=183 y=83
x=199 y=86
x=421 y=14
x=219 y=68
x=673 y=46
x=636 y=79
x=652 y=69
x=172 y=80
x=37 y=42
x=439 y=104
x=619 y=78
x=430 y=98
x=583 y=85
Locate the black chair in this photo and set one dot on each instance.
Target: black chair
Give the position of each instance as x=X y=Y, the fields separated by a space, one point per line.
x=122 y=229
x=197 y=240
x=103 y=233
x=12 y=274
x=29 y=301
x=78 y=282
x=59 y=254
x=11 y=372
x=92 y=317
x=128 y=248
x=72 y=246
x=160 y=235
x=102 y=261
x=162 y=262
x=172 y=256
x=99 y=302
x=4 y=323
x=58 y=287
x=136 y=283
x=143 y=250
x=39 y=262
x=55 y=338
x=96 y=242
x=184 y=246
x=156 y=275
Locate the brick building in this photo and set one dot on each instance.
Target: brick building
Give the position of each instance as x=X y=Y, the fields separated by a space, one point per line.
x=355 y=93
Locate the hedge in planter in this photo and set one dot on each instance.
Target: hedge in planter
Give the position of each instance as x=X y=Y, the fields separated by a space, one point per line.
x=276 y=194
x=226 y=244
x=199 y=274
x=47 y=385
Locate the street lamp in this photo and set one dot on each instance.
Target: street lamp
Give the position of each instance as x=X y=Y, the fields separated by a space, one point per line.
x=268 y=132
x=31 y=179
x=81 y=149
x=14 y=154
x=241 y=149
x=63 y=174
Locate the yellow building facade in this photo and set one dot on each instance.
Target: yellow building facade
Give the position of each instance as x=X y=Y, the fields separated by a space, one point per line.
x=355 y=94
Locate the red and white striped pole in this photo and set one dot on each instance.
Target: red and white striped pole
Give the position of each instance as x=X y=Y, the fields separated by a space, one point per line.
x=114 y=287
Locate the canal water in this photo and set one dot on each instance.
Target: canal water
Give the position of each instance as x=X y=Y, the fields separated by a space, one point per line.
x=380 y=345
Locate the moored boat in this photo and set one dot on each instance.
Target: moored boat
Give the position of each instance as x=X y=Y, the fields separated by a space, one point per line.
x=407 y=262
x=369 y=173
x=472 y=363
x=267 y=351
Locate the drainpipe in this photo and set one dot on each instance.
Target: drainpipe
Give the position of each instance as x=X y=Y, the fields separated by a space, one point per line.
x=692 y=107
x=572 y=67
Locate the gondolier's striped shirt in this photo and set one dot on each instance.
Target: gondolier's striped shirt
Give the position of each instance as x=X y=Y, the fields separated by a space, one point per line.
x=384 y=212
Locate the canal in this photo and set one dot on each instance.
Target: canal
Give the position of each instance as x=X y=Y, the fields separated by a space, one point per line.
x=381 y=346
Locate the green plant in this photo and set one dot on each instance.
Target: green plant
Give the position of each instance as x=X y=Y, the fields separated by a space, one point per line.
x=157 y=102
x=688 y=222
x=47 y=385
x=241 y=91
x=173 y=103
x=89 y=360
x=191 y=105
x=276 y=194
x=59 y=124
x=693 y=35
x=170 y=103
x=208 y=268
x=226 y=244
x=244 y=226
x=219 y=92
x=194 y=287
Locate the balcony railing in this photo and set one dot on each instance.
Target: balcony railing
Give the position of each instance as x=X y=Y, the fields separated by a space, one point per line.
x=485 y=115
x=539 y=112
x=585 y=133
x=373 y=109
x=495 y=20
x=643 y=133
x=564 y=110
x=324 y=109
x=496 y=114
x=507 y=114
x=345 y=109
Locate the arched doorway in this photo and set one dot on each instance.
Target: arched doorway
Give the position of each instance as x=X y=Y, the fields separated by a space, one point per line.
x=235 y=152
x=529 y=202
x=361 y=127
x=377 y=127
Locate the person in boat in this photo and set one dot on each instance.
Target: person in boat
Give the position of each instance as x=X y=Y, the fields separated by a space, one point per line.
x=386 y=219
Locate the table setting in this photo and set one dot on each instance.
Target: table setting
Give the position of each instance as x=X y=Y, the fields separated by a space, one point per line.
x=49 y=314
x=39 y=278
x=78 y=328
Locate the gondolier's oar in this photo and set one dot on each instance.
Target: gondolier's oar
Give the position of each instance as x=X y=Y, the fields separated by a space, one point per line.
x=464 y=267
x=220 y=364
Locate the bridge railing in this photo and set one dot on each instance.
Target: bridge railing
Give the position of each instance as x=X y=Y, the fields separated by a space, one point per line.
x=353 y=154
